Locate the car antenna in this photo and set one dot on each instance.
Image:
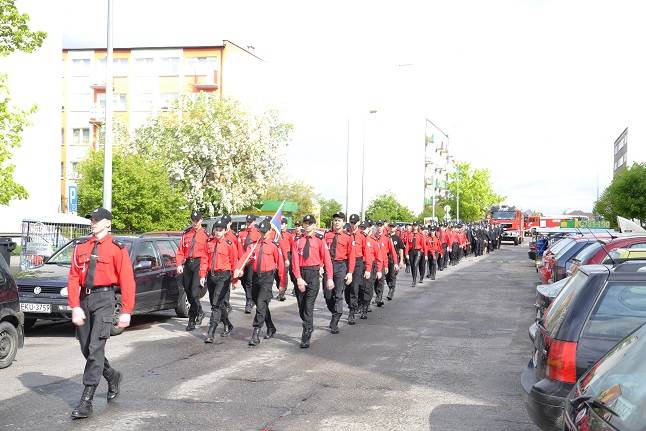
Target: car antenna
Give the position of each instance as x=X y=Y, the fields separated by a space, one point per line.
x=604 y=248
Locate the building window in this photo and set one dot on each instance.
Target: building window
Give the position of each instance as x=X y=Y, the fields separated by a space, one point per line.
x=62 y=170
x=202 y=66
x=144 y=66
x=169 y=66
x=119 y=67
x=74 y=173
x=118 y=101
x=80 y=67
x=166 y=100
x=81 y=136
x=144 y=102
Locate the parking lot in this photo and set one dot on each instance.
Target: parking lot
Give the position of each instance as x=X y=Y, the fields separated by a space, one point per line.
x=446 y=355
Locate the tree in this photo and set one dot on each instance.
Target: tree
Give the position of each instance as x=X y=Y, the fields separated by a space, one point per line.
x=476 y=192
x=428 y=212
x=14 y=36
x=329 y=207
x=143 y=198
x=386 y=207
x=220 y=157
x=625 y=196
x=295 y=191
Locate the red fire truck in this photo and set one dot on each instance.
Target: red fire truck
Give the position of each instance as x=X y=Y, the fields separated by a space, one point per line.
x=532 y=222
x=511 y=220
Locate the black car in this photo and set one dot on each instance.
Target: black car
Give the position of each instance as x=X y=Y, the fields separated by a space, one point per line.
x=563 y=260
x=43 y=291
x=611 y=396
x=598 y=307
x=12 y=334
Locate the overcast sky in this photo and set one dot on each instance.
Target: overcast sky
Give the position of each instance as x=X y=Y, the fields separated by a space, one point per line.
x=534 y=91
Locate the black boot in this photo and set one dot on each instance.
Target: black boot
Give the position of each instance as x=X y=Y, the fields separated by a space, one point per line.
x=113 y=385
x=281 y=296
x=364 y=312
x=255 y=337
x=228 y=327
x=191 y=324
x=305 y=338
x=210 y=335
x=248 y=307
x=391 y=294
x=199 y=318
x=270 y=332
x=334 y=323
x=351 y=320
x=228 y=307
x=84 y=408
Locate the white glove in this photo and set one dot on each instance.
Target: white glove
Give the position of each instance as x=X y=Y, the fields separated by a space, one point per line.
x=366 y=275
x=379 y=275
x=202 y=281
x=348 y=278
x=237 y=284
x=124 y=320
x=180 y=269
x=78 y=316
x=330 y=284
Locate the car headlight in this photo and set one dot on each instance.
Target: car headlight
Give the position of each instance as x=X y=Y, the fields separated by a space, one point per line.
x=64 y=292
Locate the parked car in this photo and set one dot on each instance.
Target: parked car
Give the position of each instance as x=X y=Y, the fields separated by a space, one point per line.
x=597 y=307
x=545 y=270
x=563 y=261
x=238 y=222
x=43 y=291
x=611 y=395
x=604 y=254
x=12 y=334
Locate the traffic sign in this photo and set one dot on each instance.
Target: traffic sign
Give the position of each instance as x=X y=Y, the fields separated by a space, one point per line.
x=72 y=199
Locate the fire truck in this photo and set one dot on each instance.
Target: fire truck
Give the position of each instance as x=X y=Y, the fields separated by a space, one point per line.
x=511 y=220
x=532 y=222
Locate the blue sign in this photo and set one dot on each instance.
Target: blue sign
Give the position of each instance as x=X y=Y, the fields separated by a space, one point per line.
x=72 y=199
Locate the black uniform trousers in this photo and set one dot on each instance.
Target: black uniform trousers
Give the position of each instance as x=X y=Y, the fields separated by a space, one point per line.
x=367 y=288
x=261 y=294
x=219 y=283
x=334 y=297
x=445 y=255
x=307 y=299
x=191 y=282
x=422 y=265
x=93 y=334
x=352 y=290
x=414 y=258
x=247 y=282
x=379 y=287
x=455 y=253
x=391 y=277
x=432 y=264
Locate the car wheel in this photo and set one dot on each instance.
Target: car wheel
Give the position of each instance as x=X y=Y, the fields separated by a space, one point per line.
x=182 y=304
x=8 y=344
x=115 y=330
x=29 y=323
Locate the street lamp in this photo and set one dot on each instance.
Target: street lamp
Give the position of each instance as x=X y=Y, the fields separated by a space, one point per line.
x=107 y=162
x=363 y=165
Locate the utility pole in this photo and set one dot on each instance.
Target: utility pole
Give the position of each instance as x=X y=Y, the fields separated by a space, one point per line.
x=107 y=163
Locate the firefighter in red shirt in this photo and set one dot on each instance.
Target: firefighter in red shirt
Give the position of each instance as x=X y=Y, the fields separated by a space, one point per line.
x=231 y=236
x=388 y=254
x=341 y=248
x=263 y=258
x=415 y=247
x=423 y=258
x=404 y=237
x=247 y=237
x=309 y=254
x=434 y=253
x=190 y=256
x=445 y=238
x=285 y=243
x=394 y=261
x=373 y=272
x=100 y=265
x=362 y=261
x=221 y=258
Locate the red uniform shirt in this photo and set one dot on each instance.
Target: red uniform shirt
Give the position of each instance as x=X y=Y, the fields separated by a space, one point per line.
x=387 y=248
x=113 y=268
x=444 y=236
x=285 y=243
x=231 y=236
x=319 y=255
x=185 y=243
x=221 y=255
x=344 y=247
x=420 y=242
x=373 y=254
x=272 y=259
x=248 y=236
x=435 y=244
x=359 y=240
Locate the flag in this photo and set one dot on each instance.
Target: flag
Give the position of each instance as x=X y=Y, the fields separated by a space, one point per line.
x=277 y=221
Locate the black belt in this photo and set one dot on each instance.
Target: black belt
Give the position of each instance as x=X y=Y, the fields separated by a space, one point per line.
x=311 y=268
x=96 y=289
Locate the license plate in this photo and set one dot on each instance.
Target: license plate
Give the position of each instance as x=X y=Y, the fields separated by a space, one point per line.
x=36 y=308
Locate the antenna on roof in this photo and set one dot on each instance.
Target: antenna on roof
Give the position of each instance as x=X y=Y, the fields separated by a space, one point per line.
x=604 y=248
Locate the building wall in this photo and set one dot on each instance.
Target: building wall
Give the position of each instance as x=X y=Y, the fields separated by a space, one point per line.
x=31 y=78
x=244 y=78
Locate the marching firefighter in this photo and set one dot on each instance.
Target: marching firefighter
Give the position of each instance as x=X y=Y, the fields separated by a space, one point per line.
x=363 y=260
x=248 y=236
x=394 y=261
x=415 y=247
x=100 y=265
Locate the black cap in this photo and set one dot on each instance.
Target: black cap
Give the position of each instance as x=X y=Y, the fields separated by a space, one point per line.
x=100 y=214
x=283 y=220
x=347 y=226
x=297 y=224
x=415 y=223
x=380 y=223
x=354 y=218
x=363 y=225
x=264 y=226
x=369 y=223
x=226 y=218
x=251 y=218
x=195 y=215
x=220 y=223
x=339 y=215
x=310 y=219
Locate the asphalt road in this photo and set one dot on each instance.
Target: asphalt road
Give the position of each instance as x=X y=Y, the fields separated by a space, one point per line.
x=445 y=355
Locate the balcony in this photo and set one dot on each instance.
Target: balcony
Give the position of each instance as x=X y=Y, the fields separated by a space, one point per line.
x=206 y=83
x=97 y=115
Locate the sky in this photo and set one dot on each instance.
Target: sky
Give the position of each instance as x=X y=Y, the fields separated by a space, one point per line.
x=534 y=91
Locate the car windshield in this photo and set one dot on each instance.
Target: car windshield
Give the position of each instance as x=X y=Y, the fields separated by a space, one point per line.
x=618 y=380
x=503 y=215
x=63 y=256
x=559 y=245
x=586 y=254
x=558 y=309
x=565 y=249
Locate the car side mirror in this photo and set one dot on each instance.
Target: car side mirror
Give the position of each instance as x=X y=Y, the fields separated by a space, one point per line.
x=143 y=264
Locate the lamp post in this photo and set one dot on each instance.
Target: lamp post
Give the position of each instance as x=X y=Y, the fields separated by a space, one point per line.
x=363 y=165
x=107 y=162
x=434 y=176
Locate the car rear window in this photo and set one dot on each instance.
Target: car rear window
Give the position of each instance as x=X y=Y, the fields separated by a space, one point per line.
x=558 y=309
x=565 y=249
x=586 y=254
x=556 y=248
x=619 y=311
